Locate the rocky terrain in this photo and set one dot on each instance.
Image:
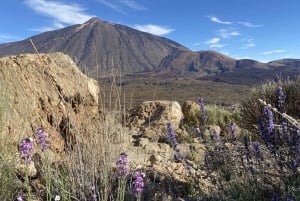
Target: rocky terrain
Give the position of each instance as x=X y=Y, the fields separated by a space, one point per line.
x=46 y=91
x=49 y=91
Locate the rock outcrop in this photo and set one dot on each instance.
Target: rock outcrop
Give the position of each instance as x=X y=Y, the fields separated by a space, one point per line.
x=190 y=112
x=46 y=91
x=151 y=118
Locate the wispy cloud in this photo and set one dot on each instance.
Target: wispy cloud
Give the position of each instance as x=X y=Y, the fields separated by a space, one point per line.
x=8 y=38
x=61 y=12
x=228 y=33
x=217 y=45
x=217 y=20
x=214 y=43
x=274 y=52
x=113 y=5
x=133 y=4
x=121 y=5
x=249 y=43
x=249 y=24
x=54 y=26
x=153 y=29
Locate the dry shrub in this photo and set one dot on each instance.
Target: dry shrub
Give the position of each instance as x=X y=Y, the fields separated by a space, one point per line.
x=251 y=108
x=8 y=178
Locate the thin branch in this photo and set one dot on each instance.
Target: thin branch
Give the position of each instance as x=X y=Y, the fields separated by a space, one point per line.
x=290 y=119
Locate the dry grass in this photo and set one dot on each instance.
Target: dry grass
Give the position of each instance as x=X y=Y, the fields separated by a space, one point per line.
x=251 y=108
x=141 y=89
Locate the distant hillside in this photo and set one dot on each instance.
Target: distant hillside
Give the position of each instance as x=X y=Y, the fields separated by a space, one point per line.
x=110 y=46
x=100 y=47
x=202 y=63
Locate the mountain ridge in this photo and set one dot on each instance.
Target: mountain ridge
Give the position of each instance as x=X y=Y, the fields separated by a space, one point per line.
x=99 y=47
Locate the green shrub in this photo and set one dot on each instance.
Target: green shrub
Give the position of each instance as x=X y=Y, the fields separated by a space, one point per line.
x=218 y=116
x=251 y=108
x=8 y=180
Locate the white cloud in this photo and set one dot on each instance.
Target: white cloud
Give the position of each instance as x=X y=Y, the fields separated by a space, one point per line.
x=60 y=12
x=55 y=25
x=197 y=44
x=249 y=24
x=225 y=52
x=212 y=41
x=133 y=4
x=217 y=45
x=4 y=38
x=121 y=5
x=248 y=43
x=153 y=29
x=113 y=5
x=228 y=33
x=274 y=52
x=217 y=20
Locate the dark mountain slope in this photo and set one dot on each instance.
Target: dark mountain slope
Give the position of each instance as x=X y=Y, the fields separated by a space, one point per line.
x=201 y=63
x=99 y=48
x=110 y=46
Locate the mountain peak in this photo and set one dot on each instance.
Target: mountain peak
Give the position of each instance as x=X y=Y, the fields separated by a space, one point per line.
x=120 y=47
x=93 y=20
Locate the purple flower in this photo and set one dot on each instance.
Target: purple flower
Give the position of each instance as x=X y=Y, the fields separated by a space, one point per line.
x=232 y=131
x=275 y=198
x=291 y=197
x=122 y=164
x=171 y=137
x=248 y=154
x=202 y=110
x=215 y=135
x=25 y=148
x=295 y=136
x=41 y=138
x=138 y=182
x=294 y=165
x=257 y=150
x=267 y=128
x=281 y=99
x=269 y=116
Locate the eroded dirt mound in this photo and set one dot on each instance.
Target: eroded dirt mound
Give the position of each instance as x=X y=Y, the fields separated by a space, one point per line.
x=46 y=91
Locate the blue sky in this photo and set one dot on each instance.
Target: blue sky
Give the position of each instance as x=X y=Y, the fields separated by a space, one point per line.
x=257 y=29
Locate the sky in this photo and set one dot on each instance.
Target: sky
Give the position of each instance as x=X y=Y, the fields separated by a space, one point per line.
x=263 y=30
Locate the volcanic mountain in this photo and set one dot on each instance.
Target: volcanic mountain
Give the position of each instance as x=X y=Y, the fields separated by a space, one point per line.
x=99 y=47
x=97 y=44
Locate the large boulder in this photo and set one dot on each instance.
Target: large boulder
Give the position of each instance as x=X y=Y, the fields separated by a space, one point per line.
x=155 y=113
x=48 y=91
x=151 y=118
x=190 y=112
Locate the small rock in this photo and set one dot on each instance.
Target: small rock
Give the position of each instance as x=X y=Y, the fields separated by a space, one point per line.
x=26 y=169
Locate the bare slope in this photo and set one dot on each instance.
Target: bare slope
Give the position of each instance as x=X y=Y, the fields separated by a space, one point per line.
x=110 y=46
x=100 y=48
